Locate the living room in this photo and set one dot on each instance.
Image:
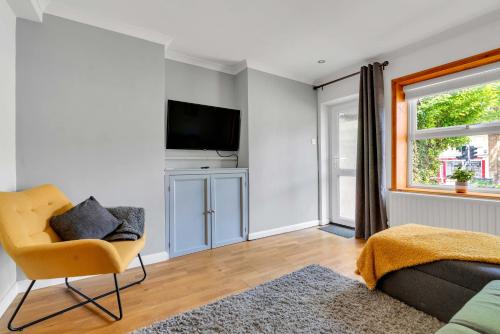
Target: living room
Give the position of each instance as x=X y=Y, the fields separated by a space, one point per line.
x=252 y=158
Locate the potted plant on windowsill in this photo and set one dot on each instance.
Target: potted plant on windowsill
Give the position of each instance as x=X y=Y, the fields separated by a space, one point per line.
x=462 y=178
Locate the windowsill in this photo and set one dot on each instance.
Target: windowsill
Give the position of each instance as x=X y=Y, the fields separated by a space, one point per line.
x=442 y=192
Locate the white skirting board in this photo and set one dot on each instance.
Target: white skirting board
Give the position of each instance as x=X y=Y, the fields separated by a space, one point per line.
x=284 y=229
x=8 y=298
x=23 y=285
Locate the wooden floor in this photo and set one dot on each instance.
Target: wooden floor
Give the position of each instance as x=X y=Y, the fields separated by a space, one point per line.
x=186 y=282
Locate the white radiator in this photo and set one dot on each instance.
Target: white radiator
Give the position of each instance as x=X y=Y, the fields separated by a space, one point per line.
x=444 y=211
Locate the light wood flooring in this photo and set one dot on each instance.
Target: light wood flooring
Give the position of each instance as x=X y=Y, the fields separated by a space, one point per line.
x=186 y=282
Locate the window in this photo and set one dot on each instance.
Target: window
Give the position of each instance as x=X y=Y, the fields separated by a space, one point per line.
x=444 y=118
x=459 y=128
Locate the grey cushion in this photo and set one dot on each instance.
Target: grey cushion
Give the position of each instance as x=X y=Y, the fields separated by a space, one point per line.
x=440 y=288
x=87 y=220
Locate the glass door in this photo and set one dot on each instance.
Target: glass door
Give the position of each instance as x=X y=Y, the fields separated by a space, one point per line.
x=343 y=141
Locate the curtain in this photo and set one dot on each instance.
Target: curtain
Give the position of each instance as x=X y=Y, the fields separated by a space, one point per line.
x=371 y=216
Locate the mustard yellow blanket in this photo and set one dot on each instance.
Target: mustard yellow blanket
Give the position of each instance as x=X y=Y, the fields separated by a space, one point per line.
x=409 y=245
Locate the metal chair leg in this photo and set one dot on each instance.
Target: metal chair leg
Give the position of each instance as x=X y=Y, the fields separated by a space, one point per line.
x=121 y=288
x=118 y=299
x=11 y=320
x=85 y=302
x=93 y=300
x=117 y=291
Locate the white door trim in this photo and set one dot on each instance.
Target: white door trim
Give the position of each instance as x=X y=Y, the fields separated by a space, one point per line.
x=345 y=106
x=324 y=156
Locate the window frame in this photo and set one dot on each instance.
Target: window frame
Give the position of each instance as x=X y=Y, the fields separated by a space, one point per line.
x=443 y=132
x=404 y=128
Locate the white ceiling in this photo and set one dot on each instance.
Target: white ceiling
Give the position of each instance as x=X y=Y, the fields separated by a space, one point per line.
x=285 y=37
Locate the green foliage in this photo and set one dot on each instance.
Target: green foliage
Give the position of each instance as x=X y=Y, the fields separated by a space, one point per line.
x=473 y=105
x=485 y=183
x=462 y=175
x=426 y=153
x=464 y=106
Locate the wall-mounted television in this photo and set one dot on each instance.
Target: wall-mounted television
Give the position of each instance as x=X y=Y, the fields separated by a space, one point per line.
x=193 y=126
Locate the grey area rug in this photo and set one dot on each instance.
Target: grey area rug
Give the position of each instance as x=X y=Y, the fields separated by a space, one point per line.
x=312 y=300
x=343 y=231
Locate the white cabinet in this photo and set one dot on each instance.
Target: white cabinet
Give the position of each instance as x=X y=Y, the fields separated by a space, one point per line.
x=206 y=209
x=189 y=214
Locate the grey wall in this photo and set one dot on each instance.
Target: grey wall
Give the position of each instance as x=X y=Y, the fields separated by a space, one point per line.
x=190 y=83
x=283 y=162
x=242 y=98
x=90 y=115
x=7 y=127
x=278 y=121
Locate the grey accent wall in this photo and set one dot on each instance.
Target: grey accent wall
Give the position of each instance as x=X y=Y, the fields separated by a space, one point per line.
x=190 y=83
x=283 y=161
x=90 y=115
x=7 y=128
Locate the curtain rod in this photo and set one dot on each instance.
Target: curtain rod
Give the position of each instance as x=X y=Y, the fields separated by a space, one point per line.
x=384 y=64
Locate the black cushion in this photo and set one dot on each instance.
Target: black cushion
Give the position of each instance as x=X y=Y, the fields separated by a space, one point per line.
x=440 y=288
x=470 y=275
x=427 y=293
x=87 y=220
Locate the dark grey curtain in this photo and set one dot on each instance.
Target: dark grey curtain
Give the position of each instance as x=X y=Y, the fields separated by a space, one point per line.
x=371 y=216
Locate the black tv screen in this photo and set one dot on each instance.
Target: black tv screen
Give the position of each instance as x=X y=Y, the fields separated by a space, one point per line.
x=193 y=126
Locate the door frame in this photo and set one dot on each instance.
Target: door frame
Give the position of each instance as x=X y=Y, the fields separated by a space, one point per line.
x=324 y=155
x=336 y=172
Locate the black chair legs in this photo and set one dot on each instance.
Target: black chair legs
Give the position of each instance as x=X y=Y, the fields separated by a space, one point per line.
x=87 y=300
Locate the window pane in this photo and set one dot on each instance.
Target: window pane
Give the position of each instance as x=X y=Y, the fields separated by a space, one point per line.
x=434 y=160
x=473 y=105
x=347 y=196
x=348 y=133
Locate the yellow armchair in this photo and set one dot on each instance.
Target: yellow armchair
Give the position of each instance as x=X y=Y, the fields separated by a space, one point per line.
x=26 y=235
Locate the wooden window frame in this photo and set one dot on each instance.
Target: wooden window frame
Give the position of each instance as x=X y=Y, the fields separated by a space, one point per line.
x=400 y=110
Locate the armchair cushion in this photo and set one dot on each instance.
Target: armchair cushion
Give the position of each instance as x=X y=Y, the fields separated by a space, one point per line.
x=87 y=220
x=77 y=258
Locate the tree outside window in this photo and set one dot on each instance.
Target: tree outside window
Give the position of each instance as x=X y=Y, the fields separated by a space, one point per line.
x=435 y=158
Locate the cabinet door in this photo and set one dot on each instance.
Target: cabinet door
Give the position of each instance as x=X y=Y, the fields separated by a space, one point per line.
x=229 y=219
x=189 y=215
